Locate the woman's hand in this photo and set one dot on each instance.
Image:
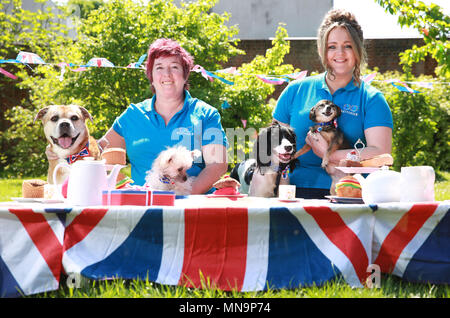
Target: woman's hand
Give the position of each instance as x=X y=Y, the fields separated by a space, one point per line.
x=50 y=154
x=318 y=144
x=215 y=157
x=378 y=139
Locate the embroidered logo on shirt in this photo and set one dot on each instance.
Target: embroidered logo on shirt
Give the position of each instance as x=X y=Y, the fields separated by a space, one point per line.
x=350 y=109
x=183 y=131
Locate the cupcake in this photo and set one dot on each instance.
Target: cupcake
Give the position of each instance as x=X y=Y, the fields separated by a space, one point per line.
x=348 y=187
x=33 y=188
x=227 y=186
x=115 y=156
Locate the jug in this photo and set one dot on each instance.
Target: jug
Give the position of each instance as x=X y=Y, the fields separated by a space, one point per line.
x=417 y=184
x=380 y=186
x=87 y=179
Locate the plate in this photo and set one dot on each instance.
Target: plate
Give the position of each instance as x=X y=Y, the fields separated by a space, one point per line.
x=289 y=200
x=24 y=199
x=37 y=200
x=336 y=199
x=231 y=196
x=358 y=169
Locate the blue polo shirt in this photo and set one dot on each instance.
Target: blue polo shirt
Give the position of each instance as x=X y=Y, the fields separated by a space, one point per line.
x=197 y=124
x=362 y=107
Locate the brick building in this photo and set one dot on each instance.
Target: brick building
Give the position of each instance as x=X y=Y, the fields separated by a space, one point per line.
x=381 y=53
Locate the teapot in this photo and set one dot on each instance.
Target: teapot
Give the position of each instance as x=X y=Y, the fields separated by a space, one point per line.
x=380 y=186
x=87 y=179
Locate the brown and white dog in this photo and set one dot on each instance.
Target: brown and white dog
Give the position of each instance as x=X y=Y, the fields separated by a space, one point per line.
x=324 y=114
x=68 y=136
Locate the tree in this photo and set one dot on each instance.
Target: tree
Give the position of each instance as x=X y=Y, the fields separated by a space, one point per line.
x=40 y=32
x=121 y=32
x=432 y=23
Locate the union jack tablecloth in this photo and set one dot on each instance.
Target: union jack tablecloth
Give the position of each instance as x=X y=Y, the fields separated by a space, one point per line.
x=248 y=244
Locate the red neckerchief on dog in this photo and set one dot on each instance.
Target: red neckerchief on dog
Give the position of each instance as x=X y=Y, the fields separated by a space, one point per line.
x=328 y=123
x=83 y=153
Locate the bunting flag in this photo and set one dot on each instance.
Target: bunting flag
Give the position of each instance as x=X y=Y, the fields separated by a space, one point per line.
x=244 y=122
x=272 y=80
x=210 y=76
x=401 y=86
x=138 y=64
x=99 y=62
x=8 y=74
x=368 y=78
x=27 y=58
x=225 y=105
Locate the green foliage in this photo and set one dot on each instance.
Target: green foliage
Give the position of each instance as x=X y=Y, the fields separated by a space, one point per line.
x=432 y=23
x=251 y=104
x=421 y=131
x=121 y=31
x=39 y=32
x=248 y=96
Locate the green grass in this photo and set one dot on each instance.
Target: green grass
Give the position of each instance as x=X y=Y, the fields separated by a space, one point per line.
x=391 y=286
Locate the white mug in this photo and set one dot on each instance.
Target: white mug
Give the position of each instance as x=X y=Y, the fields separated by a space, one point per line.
x=286 y=192
x=417 y=184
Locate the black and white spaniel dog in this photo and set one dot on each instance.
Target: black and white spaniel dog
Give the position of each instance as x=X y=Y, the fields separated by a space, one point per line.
x=273 y=152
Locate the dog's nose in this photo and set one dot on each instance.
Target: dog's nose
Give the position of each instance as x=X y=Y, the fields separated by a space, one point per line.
x=184 y=178
x=288 y=148
x=64 y=125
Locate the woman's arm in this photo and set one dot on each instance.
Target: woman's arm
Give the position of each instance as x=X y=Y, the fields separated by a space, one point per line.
x=111 y=140
x=215 y=157
x=379 y=141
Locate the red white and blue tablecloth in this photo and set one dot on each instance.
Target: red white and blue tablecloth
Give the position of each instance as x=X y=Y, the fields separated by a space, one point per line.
x=248 y=244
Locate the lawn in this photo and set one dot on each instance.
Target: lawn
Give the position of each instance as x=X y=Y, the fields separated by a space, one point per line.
x=391 y=287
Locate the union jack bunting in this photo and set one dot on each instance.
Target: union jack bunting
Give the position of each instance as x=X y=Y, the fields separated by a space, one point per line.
x=231 y=247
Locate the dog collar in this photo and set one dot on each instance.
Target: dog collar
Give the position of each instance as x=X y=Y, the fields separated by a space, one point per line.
x=166 y=180
x=83 y=153
x=283 y=171
x=328 y=123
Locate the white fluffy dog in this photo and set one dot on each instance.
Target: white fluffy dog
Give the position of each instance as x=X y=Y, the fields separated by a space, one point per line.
x=168 y=171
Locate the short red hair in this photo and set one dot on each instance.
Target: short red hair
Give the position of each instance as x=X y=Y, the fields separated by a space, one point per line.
x=166 y=48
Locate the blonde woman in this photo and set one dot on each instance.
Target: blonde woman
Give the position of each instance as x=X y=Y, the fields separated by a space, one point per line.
x=365 y=112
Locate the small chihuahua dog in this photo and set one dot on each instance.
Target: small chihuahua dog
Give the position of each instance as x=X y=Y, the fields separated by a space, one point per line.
x=325 y=114
x=168 y=171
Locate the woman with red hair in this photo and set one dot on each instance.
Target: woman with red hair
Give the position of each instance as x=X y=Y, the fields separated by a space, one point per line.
x=172 y=117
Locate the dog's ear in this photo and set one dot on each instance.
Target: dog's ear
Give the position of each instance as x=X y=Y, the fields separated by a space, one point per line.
x=312 y=114
x=338 y=110
x=41 y=114
x=86 y=114
x=263 y=146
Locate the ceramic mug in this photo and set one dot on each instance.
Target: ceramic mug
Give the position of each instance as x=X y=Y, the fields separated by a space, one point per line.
x=286 y=192
x=417 y=184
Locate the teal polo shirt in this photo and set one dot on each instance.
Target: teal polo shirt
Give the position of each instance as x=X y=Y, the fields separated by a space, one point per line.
x=362 y=107
x=197 y=124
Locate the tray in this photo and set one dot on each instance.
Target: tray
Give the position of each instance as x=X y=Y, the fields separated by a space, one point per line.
x=336 y=199
x=36 y=200
x=358 y=169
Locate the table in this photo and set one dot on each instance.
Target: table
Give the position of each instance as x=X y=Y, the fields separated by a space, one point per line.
x=245 y=244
